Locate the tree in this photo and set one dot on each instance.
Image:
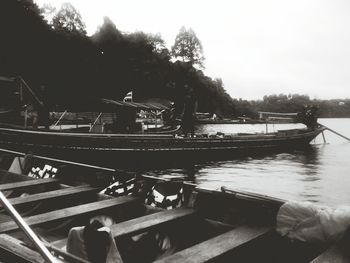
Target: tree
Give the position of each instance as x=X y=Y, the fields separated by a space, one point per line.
x=107 y=33
x=68 y=19
x=48 y=11
x=188 y=47
x=158 y=44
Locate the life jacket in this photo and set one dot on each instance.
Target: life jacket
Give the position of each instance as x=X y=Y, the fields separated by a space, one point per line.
x=165 y=195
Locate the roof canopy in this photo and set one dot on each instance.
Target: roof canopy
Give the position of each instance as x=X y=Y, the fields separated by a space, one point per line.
x=135 y=105
x=108 y=105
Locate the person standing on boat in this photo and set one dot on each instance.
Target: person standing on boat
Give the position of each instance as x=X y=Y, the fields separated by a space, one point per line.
x=308 y=116
x=188 y=116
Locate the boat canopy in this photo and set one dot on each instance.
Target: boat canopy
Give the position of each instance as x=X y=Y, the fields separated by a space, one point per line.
x=109 y=106
x=135 y=105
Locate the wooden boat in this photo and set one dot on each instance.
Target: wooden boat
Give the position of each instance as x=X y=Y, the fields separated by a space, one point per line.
x=128 y=149
x=202 y=226
x=112 y=138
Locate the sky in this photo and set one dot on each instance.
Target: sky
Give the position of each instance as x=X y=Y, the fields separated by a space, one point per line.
x=256 y=47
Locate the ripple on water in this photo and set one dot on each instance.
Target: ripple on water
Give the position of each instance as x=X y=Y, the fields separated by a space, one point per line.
x=319 y=174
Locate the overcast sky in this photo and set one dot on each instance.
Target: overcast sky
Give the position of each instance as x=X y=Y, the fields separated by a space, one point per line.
x=256 y=47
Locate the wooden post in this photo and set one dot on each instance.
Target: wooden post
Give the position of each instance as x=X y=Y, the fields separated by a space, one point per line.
x=324 y=139
x=337 y=133
x=26 y=117
x=21 y=95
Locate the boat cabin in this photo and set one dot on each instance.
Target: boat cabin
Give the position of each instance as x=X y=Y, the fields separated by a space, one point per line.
x=110 y=116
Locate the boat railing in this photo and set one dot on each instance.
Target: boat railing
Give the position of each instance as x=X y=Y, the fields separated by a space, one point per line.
x=100 y=168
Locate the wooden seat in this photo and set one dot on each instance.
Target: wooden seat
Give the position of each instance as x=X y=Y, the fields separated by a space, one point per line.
x=14 y=246
x=141 y=224
x=27 y=254
x=332 y=255
x=27 y=184
x=217 y=246
x=69 y=212
x=65 y=192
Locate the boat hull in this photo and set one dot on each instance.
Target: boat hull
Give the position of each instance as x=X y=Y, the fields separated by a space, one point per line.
x=122 y=150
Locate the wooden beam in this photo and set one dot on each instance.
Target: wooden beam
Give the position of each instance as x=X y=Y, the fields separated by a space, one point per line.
x=27 y=184
x=70 y=212
x=14 y=247
x=332 y=255
x=141 y=224
x=65 y=192
x=217 y=246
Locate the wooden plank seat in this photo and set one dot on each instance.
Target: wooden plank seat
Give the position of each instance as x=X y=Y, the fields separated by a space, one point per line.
x=217 y=246
x=141 y=224
x=27 y=184
x=14 y=246
x=338 y=252
x=65 y=192
x=332 y=255
x=27 y=253
x=144 y=223
x=70 y=212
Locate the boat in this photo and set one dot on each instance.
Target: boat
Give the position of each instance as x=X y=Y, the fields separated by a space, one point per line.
x=158 y=220
x=118 y=149
x=112 y=138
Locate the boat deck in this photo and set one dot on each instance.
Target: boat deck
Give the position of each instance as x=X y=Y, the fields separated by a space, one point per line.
x=51 y=209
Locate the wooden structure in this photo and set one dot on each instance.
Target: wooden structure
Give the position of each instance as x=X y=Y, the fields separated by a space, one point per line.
x=204 y=226
x=22 y=104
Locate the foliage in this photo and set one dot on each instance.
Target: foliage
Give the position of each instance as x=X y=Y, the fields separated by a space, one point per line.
x=296 y=102
x=74 y=67
x=68 y=19
x=188 y=48
x=109 y=64
x=48 y=11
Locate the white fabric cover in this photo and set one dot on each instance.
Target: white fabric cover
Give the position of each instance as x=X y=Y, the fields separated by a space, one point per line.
x=308 y=222
x=76 y=243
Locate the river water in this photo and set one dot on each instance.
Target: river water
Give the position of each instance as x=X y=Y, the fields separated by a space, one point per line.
x=320 y=174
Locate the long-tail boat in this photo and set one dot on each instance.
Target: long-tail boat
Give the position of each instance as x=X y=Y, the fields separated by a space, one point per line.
x=157 y=221
x=109 y=141
x=114 y=149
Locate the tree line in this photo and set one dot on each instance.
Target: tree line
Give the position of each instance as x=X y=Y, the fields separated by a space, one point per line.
x=283 y=103
x=50 y=49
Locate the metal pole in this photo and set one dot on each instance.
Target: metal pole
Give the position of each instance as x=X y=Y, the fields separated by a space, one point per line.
x=45 y=253
x=59 y=119
x=95 y=122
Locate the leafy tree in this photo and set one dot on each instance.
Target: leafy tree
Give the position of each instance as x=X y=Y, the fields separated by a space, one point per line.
x=107 y=33
x=48 y=11
x=188 y=47
x=68 y=19
x=158 y=44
